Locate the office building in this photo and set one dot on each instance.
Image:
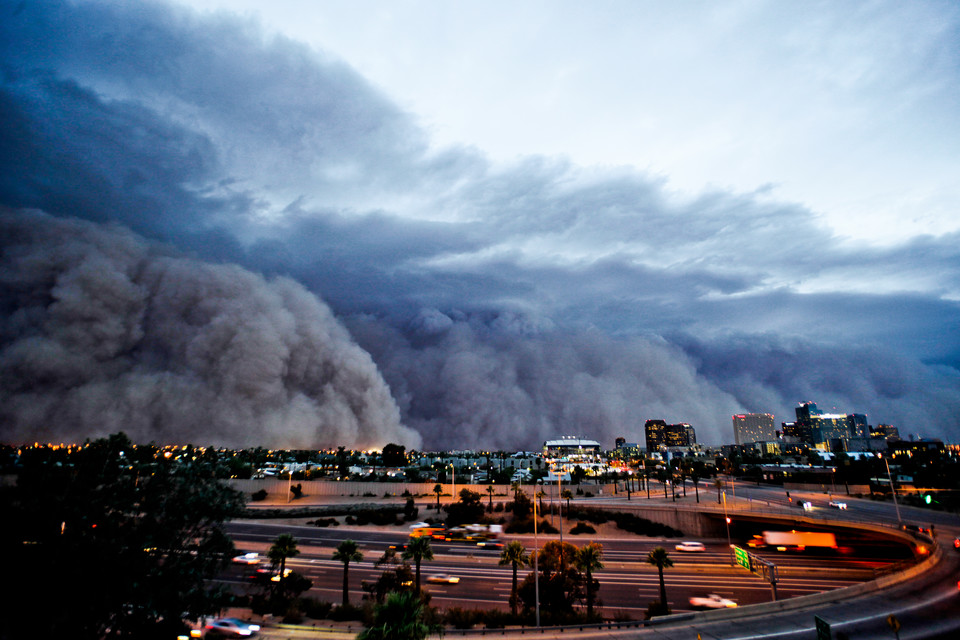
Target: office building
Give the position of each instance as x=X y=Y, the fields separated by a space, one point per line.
x=753 y=427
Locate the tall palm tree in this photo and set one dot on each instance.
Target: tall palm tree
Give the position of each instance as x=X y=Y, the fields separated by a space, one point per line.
x=437 y=489
x=589 y=558
x=490 y=492
x=347 y=551
x=661 y=560
x=399 y=618
x=568 y=496
x=285 y=546
x=514 y=554
x=418 y=549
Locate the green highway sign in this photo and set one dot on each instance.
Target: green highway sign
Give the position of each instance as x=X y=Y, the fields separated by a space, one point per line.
x=742 y=557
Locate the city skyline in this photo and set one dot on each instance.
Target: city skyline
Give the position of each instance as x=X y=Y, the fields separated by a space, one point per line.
x=475 y=226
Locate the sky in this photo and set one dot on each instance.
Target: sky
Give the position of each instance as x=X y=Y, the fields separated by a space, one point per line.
x=475 y=225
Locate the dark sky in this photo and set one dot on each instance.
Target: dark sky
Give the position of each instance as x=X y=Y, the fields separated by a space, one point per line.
x=237 y=238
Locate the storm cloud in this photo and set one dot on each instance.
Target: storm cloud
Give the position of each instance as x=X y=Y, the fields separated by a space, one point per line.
x=488 y=305
x=102 y=333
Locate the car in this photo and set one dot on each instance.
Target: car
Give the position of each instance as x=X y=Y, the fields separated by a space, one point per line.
x=248 y=558
x=712 y=601
x=691 y=546
x=490 y=544
x=443 y=578
x=806 y=505
x=231 y=628
x=838 y=505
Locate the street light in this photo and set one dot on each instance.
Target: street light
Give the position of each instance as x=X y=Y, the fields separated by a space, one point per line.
x=727 y=521
x=894 y=490
x=453 y=483
x=536 y=557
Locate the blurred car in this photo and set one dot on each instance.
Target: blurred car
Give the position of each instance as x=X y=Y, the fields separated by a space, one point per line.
x=490 y=544
x=712 y=601
x=248 y=558
x=691 y=546
x=274 y=574
x=443 y=578
x=231 y=628
x=806 y=505
x=838 y=505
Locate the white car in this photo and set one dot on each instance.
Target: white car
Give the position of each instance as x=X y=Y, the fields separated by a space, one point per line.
x=806 y=505
x=690 y=546
x=838 y=505
x=712 y=601
x=248 y=558
x=443 y=578
x=231 y=628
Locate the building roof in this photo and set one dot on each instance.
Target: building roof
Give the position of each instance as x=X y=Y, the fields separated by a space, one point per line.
x=571 y=442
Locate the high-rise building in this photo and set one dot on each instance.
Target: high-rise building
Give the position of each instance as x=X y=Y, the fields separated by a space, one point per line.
x=619 y=442
x=753 y=427
x=658 y=433
x=655 y=434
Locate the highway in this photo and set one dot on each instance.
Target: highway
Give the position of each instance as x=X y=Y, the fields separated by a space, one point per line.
x=627 y=583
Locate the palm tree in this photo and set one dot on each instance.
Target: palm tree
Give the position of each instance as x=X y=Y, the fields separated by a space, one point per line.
x=418 y=550
x=718 y=483
x=437 y=489
x=514 y=554
x=399 y=618
x=589 y=558
x=568 y=496
x=490 y=492
x=661 y=560
x=285 y=546
x=347 y=551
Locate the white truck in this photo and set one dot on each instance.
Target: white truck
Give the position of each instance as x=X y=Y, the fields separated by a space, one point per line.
x=794 y=540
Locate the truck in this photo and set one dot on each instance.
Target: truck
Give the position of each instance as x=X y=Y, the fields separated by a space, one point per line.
x=793 y=540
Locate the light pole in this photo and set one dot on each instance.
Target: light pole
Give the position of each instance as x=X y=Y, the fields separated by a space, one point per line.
x=453 y=483
x=893 y=489
x=727 y=521
x=560 y=505
x=536 y=558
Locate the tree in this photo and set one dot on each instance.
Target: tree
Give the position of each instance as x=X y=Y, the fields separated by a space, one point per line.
x=397 y=577
x=490 y=492
x=418 y=550
x=401 y=617
x=437 y=489
x=560 y=581
x=588 y=559
x=466 y=510
x=515 y=555
x=659 y=558
x=347 y=551
x=142 y=533
x=394 y=455
x=568 y=496
x=285 y=546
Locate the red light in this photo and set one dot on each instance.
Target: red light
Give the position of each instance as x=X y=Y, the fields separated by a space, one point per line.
x=728 y=520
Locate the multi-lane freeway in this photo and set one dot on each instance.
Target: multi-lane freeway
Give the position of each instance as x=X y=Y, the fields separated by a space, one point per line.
x=627 y=583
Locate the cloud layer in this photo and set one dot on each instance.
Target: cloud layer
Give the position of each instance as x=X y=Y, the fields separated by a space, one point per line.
x=503 y=304
x=102 y=333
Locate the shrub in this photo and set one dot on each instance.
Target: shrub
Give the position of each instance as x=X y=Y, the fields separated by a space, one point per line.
x=655 y=608
x=459 y=618
x=348 y=612
x=257 y=496
x=582 y=527
x=316 y=609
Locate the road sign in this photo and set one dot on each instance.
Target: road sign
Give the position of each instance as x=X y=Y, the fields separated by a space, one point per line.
x=742 y=557
x=893 y=623
x=823 y=628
